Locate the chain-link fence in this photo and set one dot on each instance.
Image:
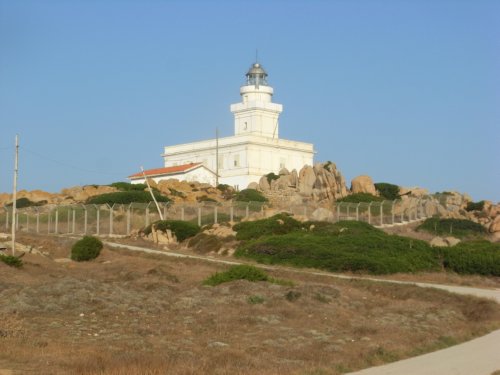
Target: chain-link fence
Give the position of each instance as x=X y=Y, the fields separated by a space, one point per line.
x=125 y=219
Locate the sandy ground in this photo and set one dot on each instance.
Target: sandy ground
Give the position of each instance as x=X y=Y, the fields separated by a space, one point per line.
x=134 y=313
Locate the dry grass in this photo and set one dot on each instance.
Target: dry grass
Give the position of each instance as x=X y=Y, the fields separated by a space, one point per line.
x=146 y=314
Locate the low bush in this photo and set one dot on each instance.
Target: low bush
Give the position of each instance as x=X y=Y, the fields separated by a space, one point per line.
x=11 y=260
x=473 y=257
x=277 y=224
x=239 y=272
x=360 y=198
x=454 y=227
x=475 y=206
x=358 y=247
x=204 y=198
x=387 y=191
x=255 y=299
x=127 y=186
x=205 y=243
x=87 y=248
x=250 y=195
x=25 y=202
x=271 y=177
x=126 y=197
x=181 y=229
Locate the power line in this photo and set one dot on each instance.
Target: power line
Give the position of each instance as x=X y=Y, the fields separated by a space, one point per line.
x=67 y=165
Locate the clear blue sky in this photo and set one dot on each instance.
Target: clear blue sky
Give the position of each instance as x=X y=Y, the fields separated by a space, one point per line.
x=405 y=91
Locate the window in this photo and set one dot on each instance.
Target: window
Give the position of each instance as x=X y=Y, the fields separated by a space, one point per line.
x=236 y=161
x=282 y=163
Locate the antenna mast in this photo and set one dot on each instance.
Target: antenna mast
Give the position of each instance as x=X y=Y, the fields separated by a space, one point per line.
x=216 y=157
x=14 y=197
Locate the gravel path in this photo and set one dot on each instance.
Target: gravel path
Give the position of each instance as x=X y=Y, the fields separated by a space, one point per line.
x=480 y=356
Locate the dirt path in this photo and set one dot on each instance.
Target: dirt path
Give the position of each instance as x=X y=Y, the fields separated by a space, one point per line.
x=480 y=356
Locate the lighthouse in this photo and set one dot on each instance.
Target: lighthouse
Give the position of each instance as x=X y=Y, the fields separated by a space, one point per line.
x=238 y=160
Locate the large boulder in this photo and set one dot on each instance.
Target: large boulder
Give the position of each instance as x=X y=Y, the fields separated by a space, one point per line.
x=307 y=178
x=363 y=184
x=322 y=214
x=495 y=225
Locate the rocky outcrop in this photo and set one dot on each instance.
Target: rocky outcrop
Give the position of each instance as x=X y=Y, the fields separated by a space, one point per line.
x=444 y=242
x=190 y=191
x=322 y=183
x=363 y=184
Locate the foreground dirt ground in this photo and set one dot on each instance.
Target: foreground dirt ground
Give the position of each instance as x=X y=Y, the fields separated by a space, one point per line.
x=129 y=313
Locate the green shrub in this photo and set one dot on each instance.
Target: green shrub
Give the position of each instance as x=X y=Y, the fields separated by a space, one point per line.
x=360 y=197
x=359 y=247
x=271 y=177
x=250 y=195
x=181 y=229
x=224 y=187
x=205 y=243
x=453 y=227
x=205 y=198
x=127 y=186
x=387 y=191
x=292 y=296
x=475 y=206
x=25 y=202
x=11 y=260
x=126 y=197
x=239 y=272
x=473 y=257
x=255 y=299
x=87 y=248
x=277 y=224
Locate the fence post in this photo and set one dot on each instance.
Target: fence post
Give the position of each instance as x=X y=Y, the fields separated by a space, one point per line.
x=231 y=213
x=147 y=215
x=7 y=220
x=128 y=219
x=37 y=220
x=98 y=217
x=370 y=212
x=348 y=211
x=27 y=222
x=56 y=224
x=73 y=227
x=199 y=216
x=357 y=211
x=247 y=211
x=165 y=211
x=182 y=213
x=382 y=213
x=67 y=225
x=111 y=219
x=392 y=211
x=85 y=217
x=49 y=221
x=215 y=215
x=16 y=220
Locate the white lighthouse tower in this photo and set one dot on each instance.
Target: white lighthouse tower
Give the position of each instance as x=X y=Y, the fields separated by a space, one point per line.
x=253 y=151
x=256 y=114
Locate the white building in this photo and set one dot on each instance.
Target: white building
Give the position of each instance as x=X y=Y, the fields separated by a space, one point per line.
x=255 y=148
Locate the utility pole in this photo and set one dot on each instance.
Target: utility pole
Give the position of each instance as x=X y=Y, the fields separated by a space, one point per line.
x=216 y=157
x=14 y=197
x=152 y=195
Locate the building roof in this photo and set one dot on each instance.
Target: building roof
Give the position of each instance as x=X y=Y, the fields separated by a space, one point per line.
x=166 y=171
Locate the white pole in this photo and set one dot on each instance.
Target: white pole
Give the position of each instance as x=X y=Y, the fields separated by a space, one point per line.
x=216 y=157
x=152 y=195
x=14 y=197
